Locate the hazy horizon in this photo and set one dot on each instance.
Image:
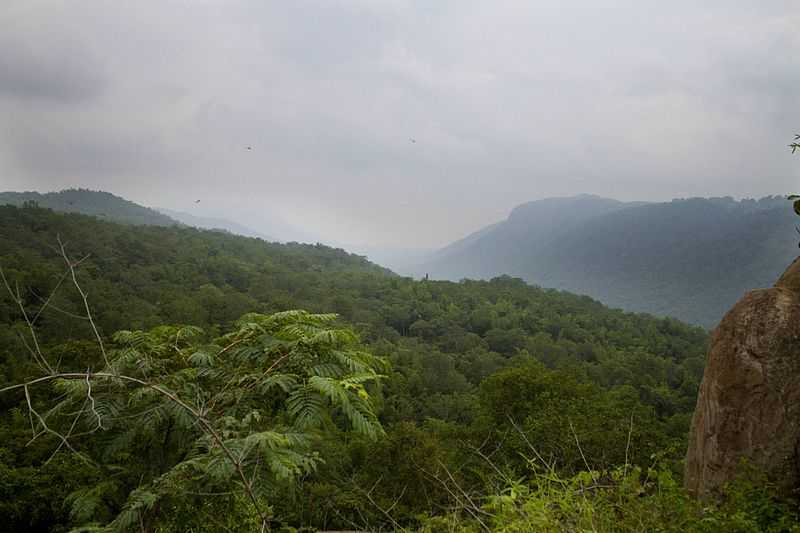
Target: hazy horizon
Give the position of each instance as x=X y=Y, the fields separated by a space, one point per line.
x=396 y=123
x=390 y=255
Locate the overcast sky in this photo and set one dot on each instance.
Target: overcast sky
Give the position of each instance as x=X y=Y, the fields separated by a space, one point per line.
x=508 y=101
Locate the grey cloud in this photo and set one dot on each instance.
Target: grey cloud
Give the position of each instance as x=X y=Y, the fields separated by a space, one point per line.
x=508 y=102
x=89 y=154
x=60 y=71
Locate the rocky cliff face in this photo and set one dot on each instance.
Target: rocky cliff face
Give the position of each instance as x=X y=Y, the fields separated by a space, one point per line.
x=749 y=401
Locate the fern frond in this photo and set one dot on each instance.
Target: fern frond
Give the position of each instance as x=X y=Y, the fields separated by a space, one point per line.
x=327 y=370
x=305 y=406
x=84 y=504
x=332 y=389
x=285 y=382
x=140 y=501
x=202 y=358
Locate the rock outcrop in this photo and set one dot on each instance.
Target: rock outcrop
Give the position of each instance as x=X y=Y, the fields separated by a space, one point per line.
x=749 y=401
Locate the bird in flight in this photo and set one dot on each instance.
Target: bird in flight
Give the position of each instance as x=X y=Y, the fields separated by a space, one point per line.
x=249 y=148
x=197 y=201
x=413 y=140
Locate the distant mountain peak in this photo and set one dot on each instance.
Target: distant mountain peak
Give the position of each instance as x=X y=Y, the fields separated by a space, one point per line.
x=581 y=201
x=663 y=258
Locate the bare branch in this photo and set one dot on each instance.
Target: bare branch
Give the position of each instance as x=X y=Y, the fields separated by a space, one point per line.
x=585 y=462
x=201 y=420
x=472 y=503
x=45 y=428
x=383 y=511
x=92 y=405
x=550 y=467
x=627 y=447
x=49 y=305
x=52 y=293
x=33 y=353
x=468 y=506
x=278 y=361
x=71 y=267
x=68 y=435
x=37 y=354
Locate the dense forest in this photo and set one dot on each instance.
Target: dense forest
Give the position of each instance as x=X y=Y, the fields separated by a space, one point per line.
x=660 y=258
x=173 y=384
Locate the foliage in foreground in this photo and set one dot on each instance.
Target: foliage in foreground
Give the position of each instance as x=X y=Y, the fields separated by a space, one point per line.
x=179 y=420
x=622 y=500
x=474 y=365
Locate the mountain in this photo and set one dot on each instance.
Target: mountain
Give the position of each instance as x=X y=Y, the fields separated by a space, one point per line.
x=214 y=224
x=165 y=272
x=95 y=203
x=502 y=247
x=661 y=258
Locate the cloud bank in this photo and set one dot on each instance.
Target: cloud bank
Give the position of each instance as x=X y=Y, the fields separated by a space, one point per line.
x=390 y=122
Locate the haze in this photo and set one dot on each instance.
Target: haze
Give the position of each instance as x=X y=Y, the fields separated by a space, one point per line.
x=397 y=123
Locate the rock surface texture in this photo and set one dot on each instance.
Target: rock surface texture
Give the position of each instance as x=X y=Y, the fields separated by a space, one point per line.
x=749 y=401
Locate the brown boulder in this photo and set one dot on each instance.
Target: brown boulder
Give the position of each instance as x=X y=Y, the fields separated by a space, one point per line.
x=748 y=406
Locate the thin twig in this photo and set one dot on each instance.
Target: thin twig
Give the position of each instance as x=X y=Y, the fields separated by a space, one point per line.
x=205 y=424
x=550 y=467
x=49 y=305
x=627 y=447
x=397 y=500
x=71 y=267
x=69 y=433
x=278 y=361
x=37 y=354
x=466 y=496
x=91 y=400
x=585 y=462
x=45 y=428
x=52 y=293
x=371 y=500
x=456 y=497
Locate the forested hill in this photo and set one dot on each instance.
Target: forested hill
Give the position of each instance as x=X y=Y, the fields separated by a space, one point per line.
x=149 y=275
x=95 y=203
x=471 y=362
x=661 y=258
x=146 y=275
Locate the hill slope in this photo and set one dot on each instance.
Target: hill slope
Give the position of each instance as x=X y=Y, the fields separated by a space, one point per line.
x=661 y=258
x=502 y=247
x=467 y=359
x=94 y=203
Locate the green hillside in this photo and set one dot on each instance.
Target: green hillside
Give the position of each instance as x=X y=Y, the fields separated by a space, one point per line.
x=95 y=203
x=660 y=258
x=479 y=379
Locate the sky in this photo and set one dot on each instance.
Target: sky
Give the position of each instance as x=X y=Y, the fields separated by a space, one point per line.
x=397 y=123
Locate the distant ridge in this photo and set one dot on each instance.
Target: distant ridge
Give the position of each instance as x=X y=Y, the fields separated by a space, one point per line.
x=688 y=258
x=214 y=224
x=111 y=207
x=503 y=247
x=100 y=204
